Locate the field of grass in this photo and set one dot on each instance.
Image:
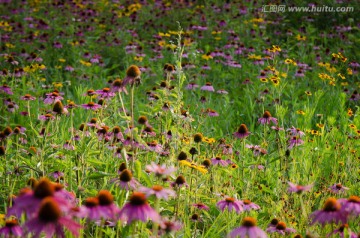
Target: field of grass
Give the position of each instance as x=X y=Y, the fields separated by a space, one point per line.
x=179 y=119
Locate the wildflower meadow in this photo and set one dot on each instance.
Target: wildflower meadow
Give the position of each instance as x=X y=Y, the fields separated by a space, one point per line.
x=157 y=118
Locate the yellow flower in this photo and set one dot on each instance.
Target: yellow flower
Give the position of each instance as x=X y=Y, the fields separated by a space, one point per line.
x=308 y=93
x=62 y=60
x=349 y=71
x=341 y=76
x=344 y=83
x=300 y=38
x=208 y=140
x=57 y=84
x=352 y=126
x=138 y=58
x=264 y=80
x=199 y=168
x=86 y=63
x=9 y=45
x=320 y=125
x=164 y=34
x=301 y=112
x=321 y=64
x=2 y=219
x=255 y=57
x=206 y=57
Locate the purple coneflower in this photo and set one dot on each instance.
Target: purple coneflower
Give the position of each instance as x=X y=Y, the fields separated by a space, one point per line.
x=192 y=85
x=295 y=141
x=46 y=117
x=331 y=213
x=295 y=132
x=89 y=209
x=52 y=97
x=160 y=170
x=11 y=229
x=6 y=89
x=125 y=180
x=267 y=118
x=351 y=205
x=50 y=220
x=208 y=87
x=249 y=205
x=158 y=191
x=230 y=204
x=280 y=228
x=138 y=209
x=338 y=188
x=179 y=182
x=117 y=86
x=107 y=208
x=169 y=226
x=218 y=161
x=242 y=132
x=341 y=232
x=200 y=206
x=132 y=77
x=27 y=97
x=91 y=106
x=293 y=188
x=105 y=93
x=247 y=229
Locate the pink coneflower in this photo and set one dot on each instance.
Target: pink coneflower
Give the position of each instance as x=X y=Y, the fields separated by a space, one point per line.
x=192 y=85
x=280 y=228
x=154 y=146
x=118 y=87
x=89 y=209
x=218 y=161
x=46 y=117
x=267 y=118
x=247 y=229
x=169 y=226
x=105 y=93
x=341 y=232
x=158 y=191
x=11 y=229
x=331 y=213
x=107 y=208
x=50 y=220
x=295 y=132
x=242 y=132
x=27 y=97
x=227 y=149
x=350 y=205
x=338 y=188
x=212 y=113
x=208 y=87
x=125 y=180
x=149 y=131
x=200 y=206
x=179 y=182
x=249 y=205
x=222 y=91
x=277 y=128
x=52 y=97
x=160 y=170
x=91 y=106
x=6 y=89
x=68 y=146
x=295 y=141
x=138 y=209
x=257 y=150
x=230 y=204
x=293 y=188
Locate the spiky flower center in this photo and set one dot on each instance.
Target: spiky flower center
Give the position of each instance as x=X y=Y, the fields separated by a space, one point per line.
x=138 y=198
x=198 y=137
x=91 y=104
x=242 y=129
x=49 y=210
x=182 y=156
x=230 y=200
x=11 y=223
x=125 y=176
x=117 y=83
x=331 y=205
x=355 y=199
x=266 y=114
x=105 y=198
x=157 y=188
x=281 y=226
x=91 y=202
x=142 y=120
x=44 y=188
x=274 y=222
x=180 y=180
x=248 y=222
x=106 y=90
x=133 y=71
x=246 y=201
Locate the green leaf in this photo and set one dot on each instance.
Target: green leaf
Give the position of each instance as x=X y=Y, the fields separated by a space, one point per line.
x=97 y=175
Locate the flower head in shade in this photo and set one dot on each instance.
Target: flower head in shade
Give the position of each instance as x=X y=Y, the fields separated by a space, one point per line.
x=125 y=180
x=208 y=87
x=248 y=229
x=160 y=170
x=350 y=205
x=294 y=188
x=331 y=213
x=138 y=209
x=280 y=228
x=338 y=188
x=158 y=191
x=179 y=182
x=230 y=204
x=341 y=232
x=249 y=205
x=218 y=161
x=91 y=106
x=118 y=86
x=11 y=229
x=50 y=220
x=267 y=118
x=242 y=132
x=132 y=77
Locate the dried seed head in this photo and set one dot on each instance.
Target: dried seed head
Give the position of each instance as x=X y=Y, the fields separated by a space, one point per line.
x=58 y=107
